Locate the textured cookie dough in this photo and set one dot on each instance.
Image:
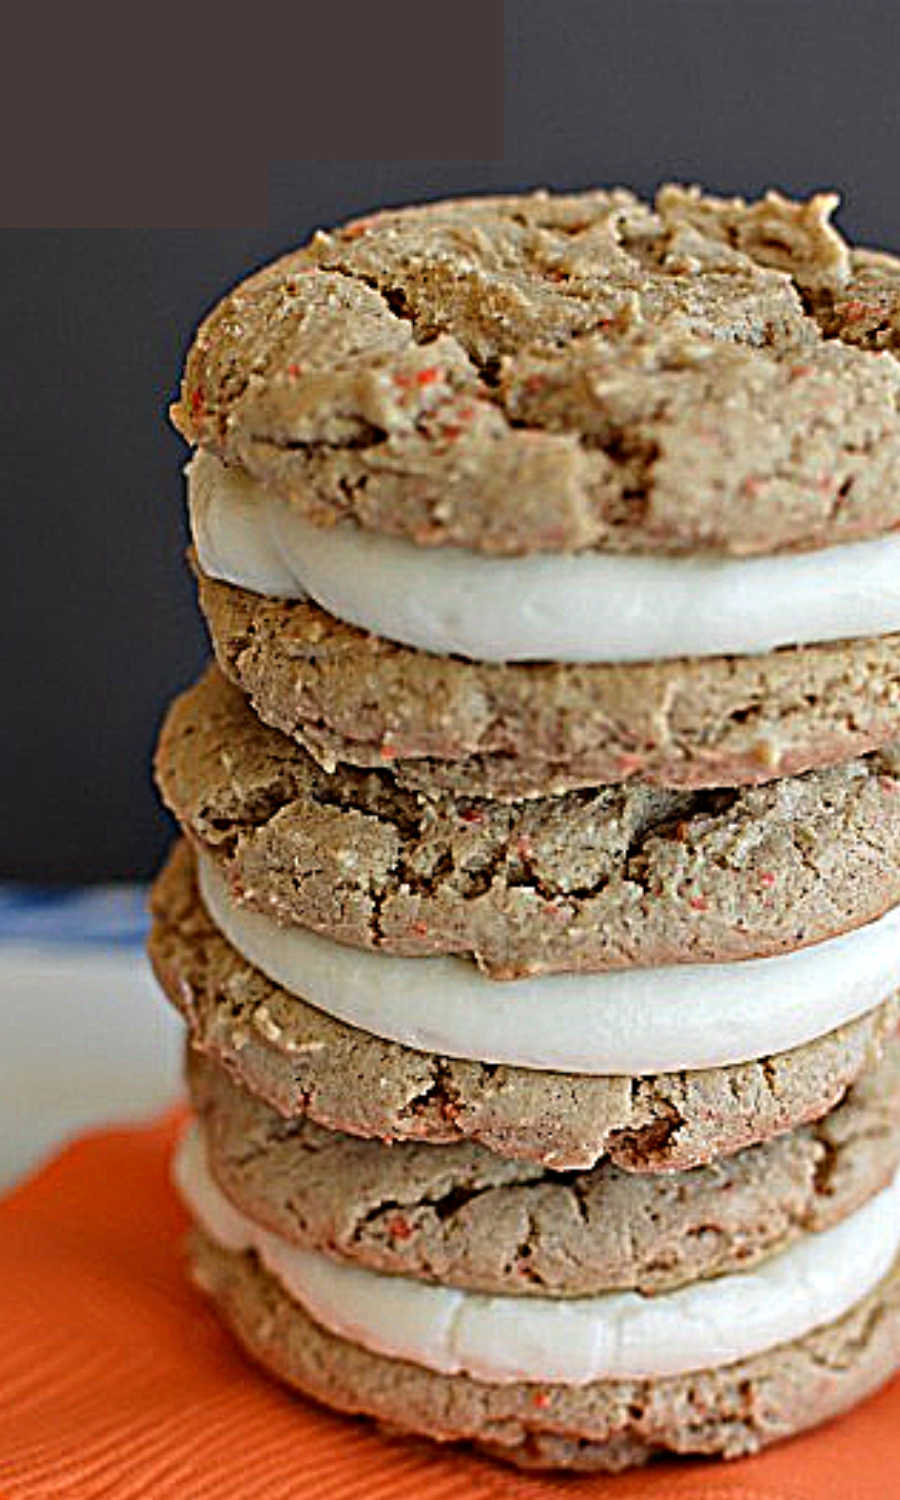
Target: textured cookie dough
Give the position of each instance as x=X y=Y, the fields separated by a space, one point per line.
x=608 y=1425
x=556 y=373
x=462 y=1216
x=304 y=1064
x=444 y=724
x=595 y=879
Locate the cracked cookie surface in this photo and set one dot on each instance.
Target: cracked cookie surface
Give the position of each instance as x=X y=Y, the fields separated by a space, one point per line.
x=463 y=1216
x=607 y=1425
x=304 y=1063
x=555 y=373
x=602 y=878
x=443 y=724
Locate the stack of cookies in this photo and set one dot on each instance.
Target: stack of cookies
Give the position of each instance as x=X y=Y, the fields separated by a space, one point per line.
x=537 y=917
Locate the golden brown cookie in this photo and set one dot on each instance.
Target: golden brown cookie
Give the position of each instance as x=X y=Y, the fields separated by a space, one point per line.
x=561 y=372
x=442 y=724
x=603 y=878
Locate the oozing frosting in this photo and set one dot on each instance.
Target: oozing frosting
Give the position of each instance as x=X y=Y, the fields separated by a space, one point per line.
x=628 y=1021
x=587 y=607
x=570 y=1341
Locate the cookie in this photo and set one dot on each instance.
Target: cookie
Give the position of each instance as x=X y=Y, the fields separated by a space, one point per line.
x=589 y=1342
x=614 y=876
x=561 y=373
x=606 y=1425
x=304 y=1064
x=465 y=1217
x=531 y=729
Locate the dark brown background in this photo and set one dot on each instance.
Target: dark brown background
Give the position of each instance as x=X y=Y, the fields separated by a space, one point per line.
x=98 y=621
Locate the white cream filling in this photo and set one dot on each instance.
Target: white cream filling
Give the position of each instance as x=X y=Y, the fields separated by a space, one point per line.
x=622 y=1021
x=588 y=607
x=613 y=1336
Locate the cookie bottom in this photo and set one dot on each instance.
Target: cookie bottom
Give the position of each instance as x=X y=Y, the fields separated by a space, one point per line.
x=605 y=1426
x=444 y=724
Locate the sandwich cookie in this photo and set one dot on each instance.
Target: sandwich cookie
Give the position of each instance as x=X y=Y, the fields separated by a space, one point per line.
x=616 y=1021
x=566 y=1341
x=305 y=1063
x=567 y=430
x=707 y=1367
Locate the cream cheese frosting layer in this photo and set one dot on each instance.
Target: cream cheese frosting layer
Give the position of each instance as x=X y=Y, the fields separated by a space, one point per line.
x=628 y=1021
x=570 y=1341
x=588 y=607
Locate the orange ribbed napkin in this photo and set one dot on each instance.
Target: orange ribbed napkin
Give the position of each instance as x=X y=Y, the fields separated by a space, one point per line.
x=117 y=1381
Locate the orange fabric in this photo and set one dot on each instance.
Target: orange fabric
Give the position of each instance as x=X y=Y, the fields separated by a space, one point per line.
x=116 y=1380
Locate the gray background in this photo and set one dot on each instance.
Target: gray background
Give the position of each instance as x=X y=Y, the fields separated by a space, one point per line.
x=98 y=625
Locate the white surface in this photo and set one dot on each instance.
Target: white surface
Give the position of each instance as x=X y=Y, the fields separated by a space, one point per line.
x=587 y=607
x=618 y=1335
x=622 y=1021
x=88 y=1040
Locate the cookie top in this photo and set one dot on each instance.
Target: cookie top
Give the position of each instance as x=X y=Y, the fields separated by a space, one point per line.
x=559 y=373
x=605 y=878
